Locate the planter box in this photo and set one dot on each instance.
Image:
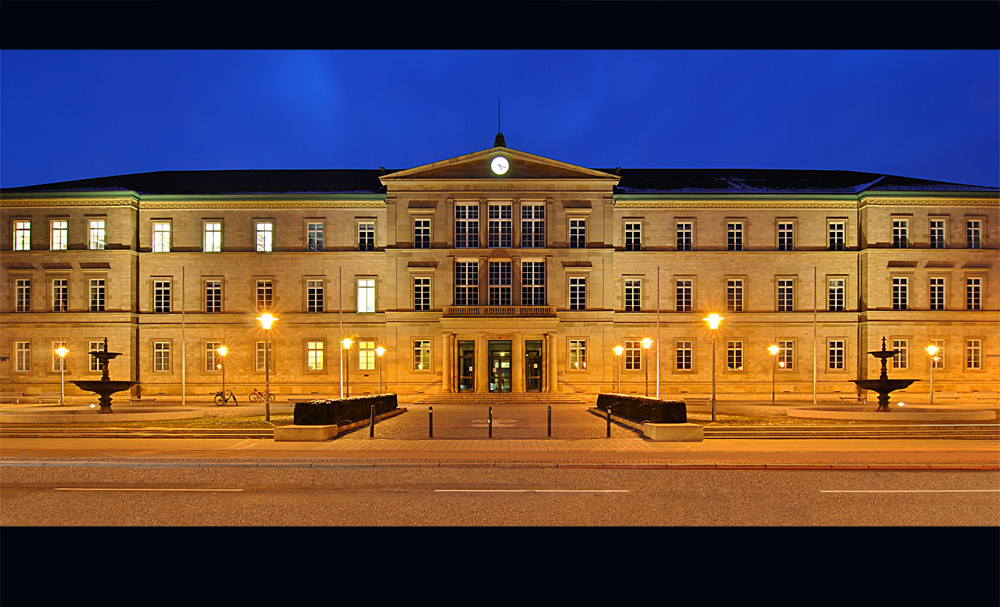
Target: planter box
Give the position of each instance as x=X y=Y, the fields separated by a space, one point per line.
x=322 y=412
x=674 y=432
x=644 y=409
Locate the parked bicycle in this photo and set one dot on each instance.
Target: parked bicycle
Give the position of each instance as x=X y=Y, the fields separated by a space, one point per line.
x=258 y=397
x=222 y=397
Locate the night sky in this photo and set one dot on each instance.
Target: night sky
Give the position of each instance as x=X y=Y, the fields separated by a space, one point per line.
x=75 y=114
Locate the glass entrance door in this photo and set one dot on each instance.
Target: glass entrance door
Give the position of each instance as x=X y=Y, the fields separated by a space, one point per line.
x=499 y=361
x=533 y=366
x=466 y=366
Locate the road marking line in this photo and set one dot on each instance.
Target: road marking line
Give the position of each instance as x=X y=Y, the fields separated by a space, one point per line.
x=909 y=490
x=531 y=490
x=132 y=489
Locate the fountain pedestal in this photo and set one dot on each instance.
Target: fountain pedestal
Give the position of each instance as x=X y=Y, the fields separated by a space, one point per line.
x=883 y=385
x=104 y=387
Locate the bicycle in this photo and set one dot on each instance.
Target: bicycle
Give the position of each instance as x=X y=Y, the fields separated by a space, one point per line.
x=222 y=397
x=257 y=396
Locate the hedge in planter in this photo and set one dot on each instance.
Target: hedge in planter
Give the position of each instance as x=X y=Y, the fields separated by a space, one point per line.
x=339 y=411
x=644 y=409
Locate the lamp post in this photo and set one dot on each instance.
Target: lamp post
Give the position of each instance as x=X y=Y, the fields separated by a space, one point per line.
x=379 y=351
x=347 y=350
x=618 y=353
x=713 y=321
x=932 y=350
x=266 y=320
x=646 y=342
x=774 y=365
x=223 y=350
x=62 y=352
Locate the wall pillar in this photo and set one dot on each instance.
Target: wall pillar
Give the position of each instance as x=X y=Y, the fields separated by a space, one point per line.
x=551 y=372
x=447 y=364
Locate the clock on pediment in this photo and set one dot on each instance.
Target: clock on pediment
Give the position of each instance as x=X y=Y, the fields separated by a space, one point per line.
x=499 y=165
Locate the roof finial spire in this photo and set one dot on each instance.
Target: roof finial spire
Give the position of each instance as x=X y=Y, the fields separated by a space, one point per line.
x=499 y=141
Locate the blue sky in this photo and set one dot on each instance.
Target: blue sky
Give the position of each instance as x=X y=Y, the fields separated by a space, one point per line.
x=74 y=114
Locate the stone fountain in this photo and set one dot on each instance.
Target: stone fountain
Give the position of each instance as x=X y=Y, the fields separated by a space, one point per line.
x=104 y=387
x=883 y=385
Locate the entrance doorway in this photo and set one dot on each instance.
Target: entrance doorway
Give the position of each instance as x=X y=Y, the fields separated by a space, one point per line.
x=533 y=366
x=466 y=366
x=499 y=361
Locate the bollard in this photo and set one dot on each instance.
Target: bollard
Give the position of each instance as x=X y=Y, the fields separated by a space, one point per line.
x=550 y=421
x=609 y=422
x=371 y=424
x=430 y=421
x=491 y=422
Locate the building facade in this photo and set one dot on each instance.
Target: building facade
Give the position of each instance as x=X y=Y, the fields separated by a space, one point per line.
x=503 y=271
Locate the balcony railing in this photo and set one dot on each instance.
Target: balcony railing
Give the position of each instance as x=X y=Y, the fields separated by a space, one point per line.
x=499 y=311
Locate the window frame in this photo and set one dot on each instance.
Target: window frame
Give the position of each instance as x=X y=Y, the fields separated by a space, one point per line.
x=59 y=301
x=211 y=239
x=366 y=294
x=533 y=226
x=263 y=235
x=466 y=283
x=97 y=234
x=162 y=236
x=59 y=234
x=21 y=235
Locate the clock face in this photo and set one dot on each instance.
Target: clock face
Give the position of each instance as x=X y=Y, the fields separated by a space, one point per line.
x=499 y=165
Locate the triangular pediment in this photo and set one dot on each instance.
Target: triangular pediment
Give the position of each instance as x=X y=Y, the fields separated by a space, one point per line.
x=477 y=166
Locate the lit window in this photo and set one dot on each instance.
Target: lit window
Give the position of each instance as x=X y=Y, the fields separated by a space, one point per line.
x=366 y=295
x=96 y=240
x=314 y=355
x=265 y=236
x=22 y=235
x=421 y=354
x=213 y=237
x=366 y=355
x=577 y=354
x=161 y=237
x=60 y=235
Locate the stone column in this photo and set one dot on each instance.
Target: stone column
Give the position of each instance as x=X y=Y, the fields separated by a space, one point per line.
x=482 y=360
x=447 y=362
x=551 y=357
x=517 y=363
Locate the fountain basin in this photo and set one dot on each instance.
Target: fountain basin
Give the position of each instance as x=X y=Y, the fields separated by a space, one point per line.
x=85 y=415
x=883 y=385
x=104 y=388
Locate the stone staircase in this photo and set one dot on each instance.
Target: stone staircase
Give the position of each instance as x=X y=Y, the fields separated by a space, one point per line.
x=502 y=399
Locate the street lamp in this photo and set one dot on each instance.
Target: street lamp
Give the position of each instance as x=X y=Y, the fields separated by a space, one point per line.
x=223 y=350
x=713 y=321
x=774 y=365
x=347 y=349
x=62 y=352
x=266 y=320
x=380 y=351
x=618 y=353
x=646 y=342
x=932 y=350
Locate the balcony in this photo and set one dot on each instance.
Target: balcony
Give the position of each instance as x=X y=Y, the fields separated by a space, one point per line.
x=499 y=311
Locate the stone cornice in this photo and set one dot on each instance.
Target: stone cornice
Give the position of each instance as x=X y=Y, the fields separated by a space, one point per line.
x=48 y=200
x=735 y=203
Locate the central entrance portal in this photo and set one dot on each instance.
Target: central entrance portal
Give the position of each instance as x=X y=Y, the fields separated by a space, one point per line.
x=532 y=366
x=499 y=365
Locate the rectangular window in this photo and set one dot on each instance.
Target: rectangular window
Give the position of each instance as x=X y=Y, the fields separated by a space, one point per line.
x=900 y=293
x=264 y=355
x=973 y=293
x=60 y=235
x=94 y=346
x=366 y=235
x=161 y=296
x=60 y=295
x=212 y=237
x=314 y=242
x=264 y=236
x=734 y=295
x=973 y=234
x=685 y=235
x=314 y=356
x=786 y=354
x=533 y=283
x=577 y=233
x=161 y=356
x=684 y=355
x=97 y=299
x=421 y=354
x=22 y=235
x=786 y=236
x=466 y=283
x=938 y=361
x=213 y=360
x=500 y=283
x=735 y=236
x=836 y=354
x=366 y=355
x=901 y=353
x=786 y=295
x=213 y=295
x=264 y=290
x=421 y=233
x=974 y=354
x=96 y=238
x=314 y=296
x=22 y=295
x=466 y=226
x=22 y=356
x=900 y=233
x=577 y=293
x=633 y=356
x=836 y=294
x=937 y=233
x=836 y=235
x=633 y=236
x=533 y=226
x=937 y=293
x=366 y=295
x=684 y=295
x=422 y=293
x=633 y=295
x=577 y=354
x=161 y=237
x=499 y=226
x=734 y=355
